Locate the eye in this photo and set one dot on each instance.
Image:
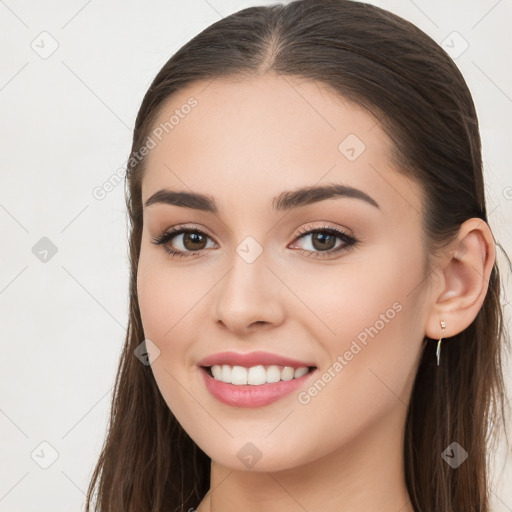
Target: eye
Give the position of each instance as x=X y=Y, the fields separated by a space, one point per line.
x=322 y=241
x=193 y=240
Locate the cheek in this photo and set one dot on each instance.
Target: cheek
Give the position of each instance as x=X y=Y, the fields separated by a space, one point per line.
x=371 y=331
x=340 y=302
x=164 y=298
x=168 y=302
x=370 y=313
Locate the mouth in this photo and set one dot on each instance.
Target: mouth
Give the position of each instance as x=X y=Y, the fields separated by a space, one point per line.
x=254 y=379
x=255 y=375
x=254 y=386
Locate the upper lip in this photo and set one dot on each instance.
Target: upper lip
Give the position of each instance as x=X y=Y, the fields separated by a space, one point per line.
x=251 y=359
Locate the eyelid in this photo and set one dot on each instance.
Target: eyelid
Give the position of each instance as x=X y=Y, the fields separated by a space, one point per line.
x=308 y=228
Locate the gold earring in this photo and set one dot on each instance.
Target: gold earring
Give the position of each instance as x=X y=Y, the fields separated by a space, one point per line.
x=438 y=351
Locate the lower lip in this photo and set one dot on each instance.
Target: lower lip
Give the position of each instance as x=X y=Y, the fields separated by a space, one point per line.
x=249 y=395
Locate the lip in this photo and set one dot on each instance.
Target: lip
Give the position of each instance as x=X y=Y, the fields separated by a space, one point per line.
x=252 y=396
x=251 y=359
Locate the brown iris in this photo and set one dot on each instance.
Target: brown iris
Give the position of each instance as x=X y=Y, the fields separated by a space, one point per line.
x=322 y=241
x=197 y=241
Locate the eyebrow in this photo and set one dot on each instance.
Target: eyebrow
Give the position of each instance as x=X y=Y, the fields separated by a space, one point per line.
x=283 y=202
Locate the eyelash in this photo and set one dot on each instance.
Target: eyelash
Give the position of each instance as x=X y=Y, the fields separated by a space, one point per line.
x=165 y=237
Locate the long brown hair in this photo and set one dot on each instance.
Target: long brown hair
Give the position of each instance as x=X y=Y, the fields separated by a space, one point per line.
x=400 y=75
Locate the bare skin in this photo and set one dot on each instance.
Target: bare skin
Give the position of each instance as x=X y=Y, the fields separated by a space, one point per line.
x=339 y=449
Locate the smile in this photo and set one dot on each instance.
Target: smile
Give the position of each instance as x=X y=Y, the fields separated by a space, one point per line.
x=256 y=375
x=260 y=392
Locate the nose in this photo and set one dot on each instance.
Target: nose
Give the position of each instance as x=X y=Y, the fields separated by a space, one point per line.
x=250 y=297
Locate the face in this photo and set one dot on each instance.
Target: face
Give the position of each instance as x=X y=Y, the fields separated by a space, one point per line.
x=333 y=280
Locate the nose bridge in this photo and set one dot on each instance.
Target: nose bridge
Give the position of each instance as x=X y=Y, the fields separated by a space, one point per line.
x=246 y=279
x=247 y=294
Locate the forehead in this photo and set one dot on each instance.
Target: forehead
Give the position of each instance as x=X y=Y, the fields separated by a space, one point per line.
x=265 y=135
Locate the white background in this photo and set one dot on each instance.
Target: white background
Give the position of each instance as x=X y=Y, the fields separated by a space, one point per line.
x=66 y=127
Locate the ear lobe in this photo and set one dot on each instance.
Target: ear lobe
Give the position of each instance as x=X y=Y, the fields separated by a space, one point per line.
x=465 y=272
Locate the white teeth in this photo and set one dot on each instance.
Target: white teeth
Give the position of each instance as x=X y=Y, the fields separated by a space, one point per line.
x=273 y=374
x=239 y=375
x=256 y=375
x=226 y=373
x=299 y=372
x=287 y=373
x=217 y=372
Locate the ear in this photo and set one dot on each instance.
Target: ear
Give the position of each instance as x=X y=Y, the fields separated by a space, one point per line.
x=463 y=272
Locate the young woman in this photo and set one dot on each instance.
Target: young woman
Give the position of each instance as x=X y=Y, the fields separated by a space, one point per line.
x=315 y=318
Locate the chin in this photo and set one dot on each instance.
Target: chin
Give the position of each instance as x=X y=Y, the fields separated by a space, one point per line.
x=256 y=457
